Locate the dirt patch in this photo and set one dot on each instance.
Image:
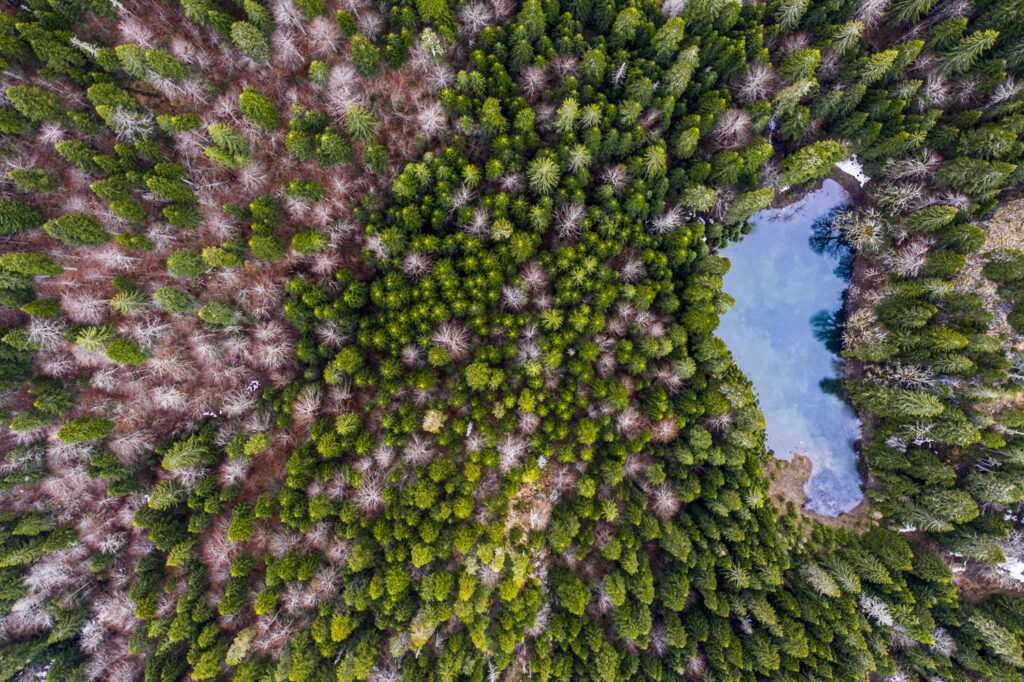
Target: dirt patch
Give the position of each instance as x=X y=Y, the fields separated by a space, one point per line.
x=788 y=486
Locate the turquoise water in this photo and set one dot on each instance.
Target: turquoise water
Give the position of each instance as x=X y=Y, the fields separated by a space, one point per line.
x=788 y=279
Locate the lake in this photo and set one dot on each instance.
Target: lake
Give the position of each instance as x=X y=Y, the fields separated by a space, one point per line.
x=788 y=278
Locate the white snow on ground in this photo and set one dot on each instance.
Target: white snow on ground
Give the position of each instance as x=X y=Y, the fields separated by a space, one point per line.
x=1014 y=568
x=851 y=166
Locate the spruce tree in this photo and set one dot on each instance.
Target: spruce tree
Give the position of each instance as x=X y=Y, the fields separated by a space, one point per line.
x=250 y=40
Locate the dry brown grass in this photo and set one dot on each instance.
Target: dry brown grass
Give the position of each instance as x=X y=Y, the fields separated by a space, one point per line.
x=788 y=486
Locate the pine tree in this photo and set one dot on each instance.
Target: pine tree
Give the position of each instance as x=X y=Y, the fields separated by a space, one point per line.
x=217 y=313
x=846 y=37
x=126 y=351
x=964 y=55
x=931 y=219
x=747 y=204
x=946 y=34
x=166 y=494
x=897 y=402
x=365 y=55
x=231 y=150
x=266 y=247
x=166 y=65
x=811 y=162
x=346 y=23
x=35 y=104
x=17 y=217
x=909 y=11
x=359 y=123
x=133 y=60
x=667 y=39
x=789 y=13
x=30 y=263
x=258 y=109
x=186 y=263
x=800 y=64
x=250 y=40
x=531 y=17
x=84 y=429
x=184 y=453
x=819 y=579
x=1003 y=643
x=976 y=177
x=240 y=645
x=954 y=506
x=241 y=523
x=333 y=148
x=33 y=180
x=543 y=173
x=571 y=591
x=875 y=67
x=77 y=229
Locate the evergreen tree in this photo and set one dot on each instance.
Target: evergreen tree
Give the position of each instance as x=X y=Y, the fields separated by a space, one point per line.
x=258 y=109
x=359 y=123
x=365 y=55
x=33 y=180
x=126 y=352
x=186 y=263
x=77 y=229
x=84 y=429
x=909 y=11
x=30 y=263
x=250 y=40
x=35 y=104
x=543 y=174
x=17 y=217
x=811 y=162
x=961 y=57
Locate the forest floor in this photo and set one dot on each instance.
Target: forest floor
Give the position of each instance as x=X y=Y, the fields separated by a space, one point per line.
x=788 y=486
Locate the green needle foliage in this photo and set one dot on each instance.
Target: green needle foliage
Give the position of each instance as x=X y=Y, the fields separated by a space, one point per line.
x=429 y=388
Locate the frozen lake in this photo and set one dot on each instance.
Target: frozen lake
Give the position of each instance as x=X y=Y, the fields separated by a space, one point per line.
x=788 y=279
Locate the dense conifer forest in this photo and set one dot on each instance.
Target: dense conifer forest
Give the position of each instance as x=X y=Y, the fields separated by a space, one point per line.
x=376 y=341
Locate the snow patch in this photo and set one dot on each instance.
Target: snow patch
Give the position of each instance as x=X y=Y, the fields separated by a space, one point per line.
x=1015 y=569
x=851 y=166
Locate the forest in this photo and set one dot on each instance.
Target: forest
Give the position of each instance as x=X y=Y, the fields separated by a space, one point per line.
x=348 y=340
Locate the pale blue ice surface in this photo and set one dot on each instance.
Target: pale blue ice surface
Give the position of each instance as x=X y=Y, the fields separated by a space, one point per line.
x=788 y=287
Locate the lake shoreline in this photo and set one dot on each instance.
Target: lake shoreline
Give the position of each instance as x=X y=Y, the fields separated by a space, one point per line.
x=785 y=270
x=788 y=486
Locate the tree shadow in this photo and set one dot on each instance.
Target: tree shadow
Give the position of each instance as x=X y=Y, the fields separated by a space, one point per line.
x=825 y=239
x=828 y=328
x=832 y=386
